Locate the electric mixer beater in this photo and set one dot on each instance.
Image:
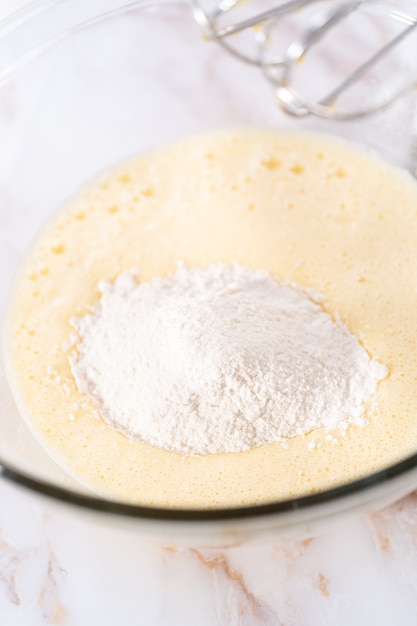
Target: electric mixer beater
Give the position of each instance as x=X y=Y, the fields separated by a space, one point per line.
x=395 y=46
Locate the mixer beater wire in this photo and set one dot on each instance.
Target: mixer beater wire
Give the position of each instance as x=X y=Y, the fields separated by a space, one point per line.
x=281 y=69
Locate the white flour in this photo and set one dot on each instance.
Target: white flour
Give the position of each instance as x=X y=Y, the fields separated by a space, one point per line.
x=219 y=360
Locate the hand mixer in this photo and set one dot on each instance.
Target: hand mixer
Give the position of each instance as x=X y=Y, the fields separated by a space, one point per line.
x=318 y=19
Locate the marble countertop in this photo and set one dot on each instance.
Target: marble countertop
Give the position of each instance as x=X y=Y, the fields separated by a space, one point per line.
x=60 y=568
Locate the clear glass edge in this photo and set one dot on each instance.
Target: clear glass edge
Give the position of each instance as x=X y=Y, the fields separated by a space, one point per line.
x=368 y=490
x=9 y=25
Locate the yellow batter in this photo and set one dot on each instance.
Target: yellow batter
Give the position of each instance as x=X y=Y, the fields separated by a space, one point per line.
x=307 y=209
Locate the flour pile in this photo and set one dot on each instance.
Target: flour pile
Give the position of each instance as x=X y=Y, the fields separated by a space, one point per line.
x=221 y=359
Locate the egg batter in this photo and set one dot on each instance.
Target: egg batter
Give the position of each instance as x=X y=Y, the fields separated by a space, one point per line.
x=306 y=208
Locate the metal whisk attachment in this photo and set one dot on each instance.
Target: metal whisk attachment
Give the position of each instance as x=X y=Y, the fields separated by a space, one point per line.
x=287 y=35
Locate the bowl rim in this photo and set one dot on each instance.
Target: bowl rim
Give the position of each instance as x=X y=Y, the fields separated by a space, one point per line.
x=304 y=503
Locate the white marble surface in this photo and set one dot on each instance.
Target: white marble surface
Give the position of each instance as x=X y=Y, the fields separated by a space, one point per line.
x=58 y=567
x=9 y=6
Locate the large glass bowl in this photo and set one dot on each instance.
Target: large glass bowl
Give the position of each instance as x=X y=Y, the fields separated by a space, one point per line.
x=84 y=84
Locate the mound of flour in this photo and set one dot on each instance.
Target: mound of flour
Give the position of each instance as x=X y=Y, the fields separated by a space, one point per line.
x=221 y=359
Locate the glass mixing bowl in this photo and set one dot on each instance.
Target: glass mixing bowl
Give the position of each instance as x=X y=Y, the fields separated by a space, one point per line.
x=84 y=84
